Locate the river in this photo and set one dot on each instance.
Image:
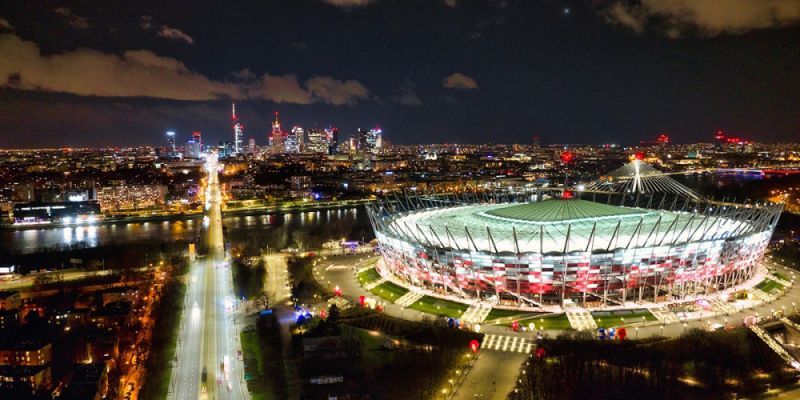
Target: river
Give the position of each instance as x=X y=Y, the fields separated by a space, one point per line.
x=300 y=229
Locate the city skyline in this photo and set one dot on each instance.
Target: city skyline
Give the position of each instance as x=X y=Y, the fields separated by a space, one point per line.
x=426 y=71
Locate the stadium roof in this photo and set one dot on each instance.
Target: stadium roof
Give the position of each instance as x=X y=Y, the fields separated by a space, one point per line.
x=561 y=210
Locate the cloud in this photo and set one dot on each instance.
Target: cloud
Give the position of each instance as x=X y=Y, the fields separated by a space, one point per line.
x=146 y=22
x=281 y=89
x=348 y=3
x=175 y=34
x=336 y=92
x=407 y=97
x=5 y=25
x=459 y=81
x=676 y=18
x=165 y=31
x=142 y=73
x=89 y=72
x=73 y=19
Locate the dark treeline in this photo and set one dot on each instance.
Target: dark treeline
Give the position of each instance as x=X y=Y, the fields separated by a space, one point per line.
x=248 y=278
x=111 y=255
x=698 y=365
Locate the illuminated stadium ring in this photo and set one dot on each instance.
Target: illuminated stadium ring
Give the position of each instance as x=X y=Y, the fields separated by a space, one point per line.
x=596 y=249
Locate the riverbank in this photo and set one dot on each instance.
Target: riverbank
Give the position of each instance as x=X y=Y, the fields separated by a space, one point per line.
x=250 y=210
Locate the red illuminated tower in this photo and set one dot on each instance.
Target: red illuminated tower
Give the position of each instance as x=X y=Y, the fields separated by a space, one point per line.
x=276 y=137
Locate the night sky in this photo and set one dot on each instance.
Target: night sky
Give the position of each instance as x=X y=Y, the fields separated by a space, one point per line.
x=121 y=73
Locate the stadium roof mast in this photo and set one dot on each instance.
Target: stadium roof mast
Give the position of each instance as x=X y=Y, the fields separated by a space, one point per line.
x=640 y=177
x=637 y=177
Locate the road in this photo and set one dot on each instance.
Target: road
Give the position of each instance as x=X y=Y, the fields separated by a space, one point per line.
x=209 y=339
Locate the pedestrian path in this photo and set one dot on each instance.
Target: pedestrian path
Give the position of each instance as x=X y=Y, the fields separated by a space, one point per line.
x=373 y=284
x=408 y=299
x=775 y=346
x=664 y=315
x=514 y=344
x=476 y=313
x=580 y=319
x=721 y=306
x=760 y=295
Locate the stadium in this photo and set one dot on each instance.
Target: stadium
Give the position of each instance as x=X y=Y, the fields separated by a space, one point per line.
x=633 y=236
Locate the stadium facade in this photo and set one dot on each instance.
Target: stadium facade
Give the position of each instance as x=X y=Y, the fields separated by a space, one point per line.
x=635 y=235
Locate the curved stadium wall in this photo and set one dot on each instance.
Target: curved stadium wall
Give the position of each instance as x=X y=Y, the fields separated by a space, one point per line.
x=595 y=249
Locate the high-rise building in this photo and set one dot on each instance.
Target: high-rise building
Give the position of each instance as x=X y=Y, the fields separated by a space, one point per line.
x=369 y=141
x=251 y=146
x=317 y=141
x=192 y=149
x=197 y=136
x=294 y=140
x=361 y=139
x=171 y=142
x=332 y=134
x=238 y=131
x=276 y=137
x=376 y=139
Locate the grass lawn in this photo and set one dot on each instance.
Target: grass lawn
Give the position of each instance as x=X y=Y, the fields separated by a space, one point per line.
x=769 y=286
x=433 y=305
x=264 y=367
x=389 y=291
x=372 y=351
x=368 y=276
x=606 y=319
x=502 y=316
x=164 y=340
x=781 y=275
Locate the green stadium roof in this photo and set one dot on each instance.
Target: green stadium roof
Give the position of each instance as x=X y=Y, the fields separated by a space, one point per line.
x=561 y=210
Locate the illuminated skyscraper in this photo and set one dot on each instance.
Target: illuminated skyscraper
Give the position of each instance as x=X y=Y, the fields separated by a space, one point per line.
x=197 y=136
x=333 y=139
x=376 y=139
x=369 y=141
x=317 y=141
x=238 y=131
x=192 y=149
x=294 y=140
x=171 y=142
x=276 y=137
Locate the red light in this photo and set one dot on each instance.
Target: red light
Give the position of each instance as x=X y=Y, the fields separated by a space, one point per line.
x=567 y=156
x=639 y=155
x=474 y=345
x=515 y=326
x=566 y=195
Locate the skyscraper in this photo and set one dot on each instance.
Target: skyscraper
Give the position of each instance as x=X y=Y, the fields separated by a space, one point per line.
x=276 y=137
x=317 y=141
x=369 y=141
x=171 y=142
x=294 y=140
x=332 y=134
x=197 y=136
x=238 y=131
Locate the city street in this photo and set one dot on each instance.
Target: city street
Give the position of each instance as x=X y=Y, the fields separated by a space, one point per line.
x=209 y=340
